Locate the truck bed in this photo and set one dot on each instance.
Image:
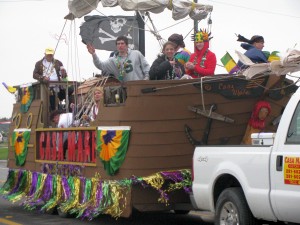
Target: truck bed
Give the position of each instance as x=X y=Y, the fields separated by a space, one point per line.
x=220 y=166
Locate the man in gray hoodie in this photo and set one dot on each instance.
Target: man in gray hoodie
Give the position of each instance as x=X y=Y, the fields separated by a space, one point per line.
x=125 y=65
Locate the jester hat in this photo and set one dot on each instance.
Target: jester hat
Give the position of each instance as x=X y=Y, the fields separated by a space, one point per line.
x=201 y=36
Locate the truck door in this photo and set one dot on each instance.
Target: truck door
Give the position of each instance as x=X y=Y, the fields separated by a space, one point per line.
x=285 y=167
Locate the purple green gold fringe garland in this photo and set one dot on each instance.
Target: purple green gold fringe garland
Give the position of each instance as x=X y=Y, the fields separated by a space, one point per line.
x=73 y=202
x=55 y=194
x=85 y=197
x=37 y=197
x=10 y=182
x=22 y=188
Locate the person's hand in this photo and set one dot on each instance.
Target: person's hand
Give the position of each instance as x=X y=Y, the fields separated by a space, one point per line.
x=45 y=79
x=186 y=77
x=85 y=117
x=172 y=62
x=189 y=65
x=91 y=48
x=72 y=106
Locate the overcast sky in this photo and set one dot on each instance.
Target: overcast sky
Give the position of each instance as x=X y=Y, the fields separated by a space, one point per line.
x=28 y=27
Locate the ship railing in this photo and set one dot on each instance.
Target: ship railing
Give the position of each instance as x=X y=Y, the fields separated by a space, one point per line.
x=72 y=145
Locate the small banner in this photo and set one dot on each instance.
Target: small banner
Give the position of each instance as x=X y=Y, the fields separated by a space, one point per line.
x=229 y=63
x=112 y=144
x=20 y=139
x=26 y=97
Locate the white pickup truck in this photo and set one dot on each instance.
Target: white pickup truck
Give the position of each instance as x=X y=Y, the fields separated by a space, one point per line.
x=244 y=185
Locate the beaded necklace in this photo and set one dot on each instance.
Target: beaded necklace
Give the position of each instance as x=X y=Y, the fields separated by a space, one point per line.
x=201 y=63
x=46 y=71
x=121 y=65
x=176 y=72
x=170 y=76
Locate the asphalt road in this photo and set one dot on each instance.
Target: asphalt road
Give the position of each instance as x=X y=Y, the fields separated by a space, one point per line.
x=3 y=171
x=14 y=214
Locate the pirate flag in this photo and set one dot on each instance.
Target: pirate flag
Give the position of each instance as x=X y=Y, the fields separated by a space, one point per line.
x=102 y=32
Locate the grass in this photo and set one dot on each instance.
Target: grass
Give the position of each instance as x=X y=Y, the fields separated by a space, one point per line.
x=3 y=151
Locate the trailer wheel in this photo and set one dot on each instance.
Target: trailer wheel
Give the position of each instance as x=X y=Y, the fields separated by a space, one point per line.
x=232 y=209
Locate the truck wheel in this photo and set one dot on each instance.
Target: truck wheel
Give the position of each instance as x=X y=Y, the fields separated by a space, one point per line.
x=232 y=209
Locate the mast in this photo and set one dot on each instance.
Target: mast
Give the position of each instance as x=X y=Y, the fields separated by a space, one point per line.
x=195 y=21
x=195 y=25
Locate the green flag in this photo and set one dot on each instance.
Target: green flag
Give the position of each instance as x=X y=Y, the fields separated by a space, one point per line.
x=20 y=139
x=229 y=64
x=112 y=144
x=27 y=97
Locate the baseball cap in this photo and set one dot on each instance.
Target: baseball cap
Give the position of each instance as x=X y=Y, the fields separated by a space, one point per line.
x=49 y=51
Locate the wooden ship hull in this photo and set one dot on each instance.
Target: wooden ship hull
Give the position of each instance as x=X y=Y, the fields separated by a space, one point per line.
x=166 y=119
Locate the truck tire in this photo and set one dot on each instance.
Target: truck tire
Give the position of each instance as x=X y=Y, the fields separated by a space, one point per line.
x=232 y=209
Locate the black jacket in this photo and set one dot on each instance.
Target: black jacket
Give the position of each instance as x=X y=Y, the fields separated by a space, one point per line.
x=161 y=69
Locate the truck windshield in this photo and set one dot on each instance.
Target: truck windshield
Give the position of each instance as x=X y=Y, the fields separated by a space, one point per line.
x=293 y=136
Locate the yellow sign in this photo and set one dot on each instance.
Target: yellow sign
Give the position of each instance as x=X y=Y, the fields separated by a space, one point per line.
x=292 y=170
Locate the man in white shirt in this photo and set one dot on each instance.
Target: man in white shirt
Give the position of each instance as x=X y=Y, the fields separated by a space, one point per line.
x=51 y=69
x=62 y=120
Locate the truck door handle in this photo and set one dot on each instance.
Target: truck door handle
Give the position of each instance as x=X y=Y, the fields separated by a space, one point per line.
x=279 y=163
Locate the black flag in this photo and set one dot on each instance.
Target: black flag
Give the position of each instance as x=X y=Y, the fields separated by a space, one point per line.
x=102 y=31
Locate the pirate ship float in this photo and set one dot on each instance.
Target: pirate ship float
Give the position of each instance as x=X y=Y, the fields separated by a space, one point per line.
x=138 y=152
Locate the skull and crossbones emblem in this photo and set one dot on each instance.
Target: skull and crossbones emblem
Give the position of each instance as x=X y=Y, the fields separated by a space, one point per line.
x=116 y=25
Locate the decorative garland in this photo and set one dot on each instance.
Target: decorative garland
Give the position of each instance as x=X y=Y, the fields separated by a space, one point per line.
x=86 y=197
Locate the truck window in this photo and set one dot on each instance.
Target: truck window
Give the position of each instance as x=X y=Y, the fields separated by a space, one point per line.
x=293 y=136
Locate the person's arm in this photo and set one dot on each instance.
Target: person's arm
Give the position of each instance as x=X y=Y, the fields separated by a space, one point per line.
x=36 y=72
x=256 y=55
x=261 y=57
x=158 y=69
x=60 y=70
x=145 y=67
x=97 y=62
x=189 y=65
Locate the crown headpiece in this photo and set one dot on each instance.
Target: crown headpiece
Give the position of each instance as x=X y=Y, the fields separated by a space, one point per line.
x=201 y=36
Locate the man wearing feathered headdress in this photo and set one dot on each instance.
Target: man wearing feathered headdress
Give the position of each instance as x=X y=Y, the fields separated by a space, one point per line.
x=203 y=62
